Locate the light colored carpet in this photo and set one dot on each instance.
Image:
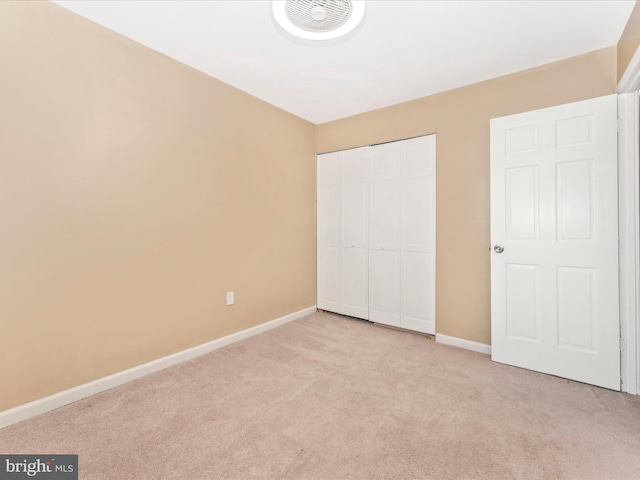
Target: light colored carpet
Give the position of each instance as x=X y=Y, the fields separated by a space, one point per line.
x=328 y=397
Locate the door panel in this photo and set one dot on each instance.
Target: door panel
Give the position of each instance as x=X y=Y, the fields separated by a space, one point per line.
x=554 y=197
x=522 y=204
x=418 y=291
x=576 y=309
x=355 y=262
x=416 y=211
x=419 y=159
x=523 y=298
x=575 y=190
x=384 y=286
x=384 y=234
x=385 y=161
x=355 y=232
x=355 y=214
x=329 y=217
x=418 y=234
x=329 y=261
x=329 y=284
x=355 y=165
x=385 y=208
x=355 y=282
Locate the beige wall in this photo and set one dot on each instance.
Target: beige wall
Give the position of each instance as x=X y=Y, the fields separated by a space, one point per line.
x=629 y=41
x=461 y=120
x=135 y=192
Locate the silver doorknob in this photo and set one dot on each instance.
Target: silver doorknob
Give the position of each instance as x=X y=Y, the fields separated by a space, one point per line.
x=498 y=249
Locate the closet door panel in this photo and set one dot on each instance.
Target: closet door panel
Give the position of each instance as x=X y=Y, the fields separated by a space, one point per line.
x=329 y=214
x=329 y=231
x=355 y=282
x=384 y=234
x=384 y=197
x=355 y=258
x=419 y=159
x=384 y=287
x=385 y=214
x=355 y=165
x=418 y=235
x=330 y=168
x=418 y=292
x=384 y=253
x=354 y=211
x=384 y=161
x=329 y=284
x=416 y=225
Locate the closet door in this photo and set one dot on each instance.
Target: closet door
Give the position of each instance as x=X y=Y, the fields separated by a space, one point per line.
x=355 y=267
x=384 y=234
x=418 y=239
x=376 y=233
x=329 y=246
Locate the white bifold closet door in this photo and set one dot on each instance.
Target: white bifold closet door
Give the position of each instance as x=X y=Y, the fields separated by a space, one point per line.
x=402 y=235
x=343 y=263
x=376 y=233
x=384 y=238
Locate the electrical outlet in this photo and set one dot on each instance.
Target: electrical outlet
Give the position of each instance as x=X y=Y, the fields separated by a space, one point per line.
x=229 y=298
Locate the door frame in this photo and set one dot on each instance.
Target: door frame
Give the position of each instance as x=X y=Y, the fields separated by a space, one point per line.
x=629 y=224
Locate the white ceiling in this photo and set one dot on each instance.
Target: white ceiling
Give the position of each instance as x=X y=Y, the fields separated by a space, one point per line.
x=404 y=49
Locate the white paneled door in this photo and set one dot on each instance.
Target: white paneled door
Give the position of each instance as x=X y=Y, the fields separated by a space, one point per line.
x=384 y=239
x=402 y=238
x=355 y=259
x=418 y=234
x=343 y=262
x=554 y=241
x=329 y=245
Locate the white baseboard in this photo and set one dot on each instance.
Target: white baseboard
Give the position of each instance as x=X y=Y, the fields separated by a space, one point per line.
x=57 y=400
x=462 y=343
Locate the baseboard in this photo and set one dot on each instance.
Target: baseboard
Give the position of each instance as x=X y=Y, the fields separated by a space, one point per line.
x=462 y=343
x=57 y=400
